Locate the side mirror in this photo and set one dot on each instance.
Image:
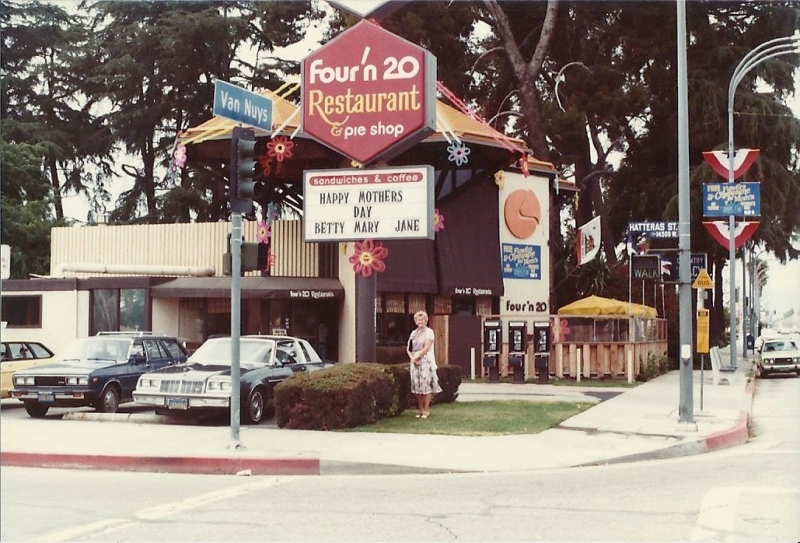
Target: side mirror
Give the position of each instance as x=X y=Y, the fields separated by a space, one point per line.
x=138 y=358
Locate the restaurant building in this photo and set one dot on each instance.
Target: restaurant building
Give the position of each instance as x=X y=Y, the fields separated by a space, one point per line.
x=489 y=255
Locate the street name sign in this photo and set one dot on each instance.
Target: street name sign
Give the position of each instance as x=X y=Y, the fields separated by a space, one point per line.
x=724 y=199
x=239 y=104
x=357 y=204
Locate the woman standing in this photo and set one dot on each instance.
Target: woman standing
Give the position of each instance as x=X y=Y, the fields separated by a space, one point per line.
x=424 y=382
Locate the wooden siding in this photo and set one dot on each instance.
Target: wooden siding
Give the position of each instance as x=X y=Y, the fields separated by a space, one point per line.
x=184 y=244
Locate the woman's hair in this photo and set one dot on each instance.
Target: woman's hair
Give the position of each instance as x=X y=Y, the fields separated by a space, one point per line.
x=421 y=313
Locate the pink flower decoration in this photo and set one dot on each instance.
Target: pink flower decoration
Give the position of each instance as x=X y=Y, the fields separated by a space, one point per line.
x=561 y=332
x=459 y=153
x=523 y=164
x=179 y=156
x=438 y=220
x=263 y=233
x=280 y=147
x=368 y=256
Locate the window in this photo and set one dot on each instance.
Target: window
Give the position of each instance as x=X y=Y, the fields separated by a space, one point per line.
x=154 y=351
x=22 y=311
x=118 y=310
x=174 y=349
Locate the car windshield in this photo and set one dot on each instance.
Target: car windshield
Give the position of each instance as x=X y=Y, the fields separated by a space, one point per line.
x=97 y=348
x=218 y=351
x=772 y=346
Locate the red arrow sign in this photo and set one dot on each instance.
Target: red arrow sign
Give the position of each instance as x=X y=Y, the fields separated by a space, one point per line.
x=721 y=232
x=742 y=160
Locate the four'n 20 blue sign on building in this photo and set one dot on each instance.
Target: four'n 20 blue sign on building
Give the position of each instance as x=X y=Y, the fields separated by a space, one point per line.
x=724 y=199
x=242 y=105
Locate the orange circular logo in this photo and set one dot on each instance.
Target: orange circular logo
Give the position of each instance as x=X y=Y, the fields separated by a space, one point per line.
x=522 y=213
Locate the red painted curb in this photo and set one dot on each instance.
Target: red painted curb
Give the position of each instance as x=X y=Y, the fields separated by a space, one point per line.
x=736 y=435
x=165 y=464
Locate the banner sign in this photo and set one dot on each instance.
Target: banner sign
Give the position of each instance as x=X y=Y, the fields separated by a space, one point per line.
x=724 y=199
x=720 y=231
x=369 y=94
x=521 y=261
x=242 y=105
x=352 y=205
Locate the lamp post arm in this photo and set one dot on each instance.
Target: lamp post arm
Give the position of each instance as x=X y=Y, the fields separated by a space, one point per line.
x=764 y=51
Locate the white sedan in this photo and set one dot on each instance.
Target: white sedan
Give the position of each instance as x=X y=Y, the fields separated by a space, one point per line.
x=203 y=383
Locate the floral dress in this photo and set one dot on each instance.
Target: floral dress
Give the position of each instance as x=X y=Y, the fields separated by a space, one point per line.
x=423 y=377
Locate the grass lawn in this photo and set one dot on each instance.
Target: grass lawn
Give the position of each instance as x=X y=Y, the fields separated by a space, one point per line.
x=480 y=418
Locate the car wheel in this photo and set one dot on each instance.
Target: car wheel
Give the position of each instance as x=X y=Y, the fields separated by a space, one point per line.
x=109 y=400
x=254 y=408
x=36 y=410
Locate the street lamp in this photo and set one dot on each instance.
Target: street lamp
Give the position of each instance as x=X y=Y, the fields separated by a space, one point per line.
x=765 y=51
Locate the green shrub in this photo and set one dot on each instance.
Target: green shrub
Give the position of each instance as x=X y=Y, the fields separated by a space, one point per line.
x=342 y=396
x=349 y=395
x=654 y=366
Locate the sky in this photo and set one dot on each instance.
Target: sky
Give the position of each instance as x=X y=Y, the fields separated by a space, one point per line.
x=780 y=295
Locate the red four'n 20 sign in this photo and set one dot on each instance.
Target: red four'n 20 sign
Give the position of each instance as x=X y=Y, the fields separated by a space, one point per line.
x=369 y=94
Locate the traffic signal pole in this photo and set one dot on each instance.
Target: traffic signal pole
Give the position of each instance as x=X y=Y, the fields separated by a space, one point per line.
x=236 y=312
x=241 y=191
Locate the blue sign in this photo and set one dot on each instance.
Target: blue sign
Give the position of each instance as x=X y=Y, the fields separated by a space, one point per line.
x=242 y=105
x=654 y=229
x=521 y=261
x=724 y=199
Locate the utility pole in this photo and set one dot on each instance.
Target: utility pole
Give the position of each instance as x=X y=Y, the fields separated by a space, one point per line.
x=686 y=405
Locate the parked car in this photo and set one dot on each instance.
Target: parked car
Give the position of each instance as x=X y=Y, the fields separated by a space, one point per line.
x=99 y=371
x=779 y=355
x=202 y=386
x=20 y=355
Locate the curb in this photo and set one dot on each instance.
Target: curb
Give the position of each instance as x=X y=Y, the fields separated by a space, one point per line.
x=166 y=464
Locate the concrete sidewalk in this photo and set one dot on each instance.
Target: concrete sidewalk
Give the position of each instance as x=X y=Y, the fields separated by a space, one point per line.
x=635 y=424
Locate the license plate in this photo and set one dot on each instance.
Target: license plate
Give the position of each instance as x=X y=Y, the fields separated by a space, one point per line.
x=178 y=403
x=47 y=397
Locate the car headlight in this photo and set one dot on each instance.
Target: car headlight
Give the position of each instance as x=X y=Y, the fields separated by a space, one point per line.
x=23 y=380
x=149 y=382
x=82 y=380
x=221 y=385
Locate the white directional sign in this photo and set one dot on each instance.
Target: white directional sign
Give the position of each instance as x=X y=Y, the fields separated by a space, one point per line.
x=242 y=105
x=353 y=205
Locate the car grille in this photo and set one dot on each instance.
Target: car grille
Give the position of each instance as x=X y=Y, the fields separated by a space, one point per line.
x=179 y=386
x=781 y=361
x=50 y=381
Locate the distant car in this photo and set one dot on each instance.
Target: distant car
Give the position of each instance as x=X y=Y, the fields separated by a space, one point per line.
x=20 y=355
x=99 y=371
x=202 y=386
x=779 y=355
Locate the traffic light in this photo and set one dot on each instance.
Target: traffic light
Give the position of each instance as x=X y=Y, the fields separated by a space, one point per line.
x=243 y=169
x=254 y=257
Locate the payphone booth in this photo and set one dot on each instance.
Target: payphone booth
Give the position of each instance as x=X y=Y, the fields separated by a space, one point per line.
x=541 y=350
x=492 y=345
x=517 y=346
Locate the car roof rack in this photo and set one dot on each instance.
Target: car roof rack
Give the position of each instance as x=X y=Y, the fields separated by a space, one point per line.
x=133 y=333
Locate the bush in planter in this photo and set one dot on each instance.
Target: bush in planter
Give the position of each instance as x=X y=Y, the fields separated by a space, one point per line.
x=342 y=396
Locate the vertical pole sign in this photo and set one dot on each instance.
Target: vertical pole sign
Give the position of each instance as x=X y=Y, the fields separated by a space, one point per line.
x=368 y=95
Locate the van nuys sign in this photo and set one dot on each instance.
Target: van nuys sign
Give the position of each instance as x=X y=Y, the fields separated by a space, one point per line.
x=369 y=94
